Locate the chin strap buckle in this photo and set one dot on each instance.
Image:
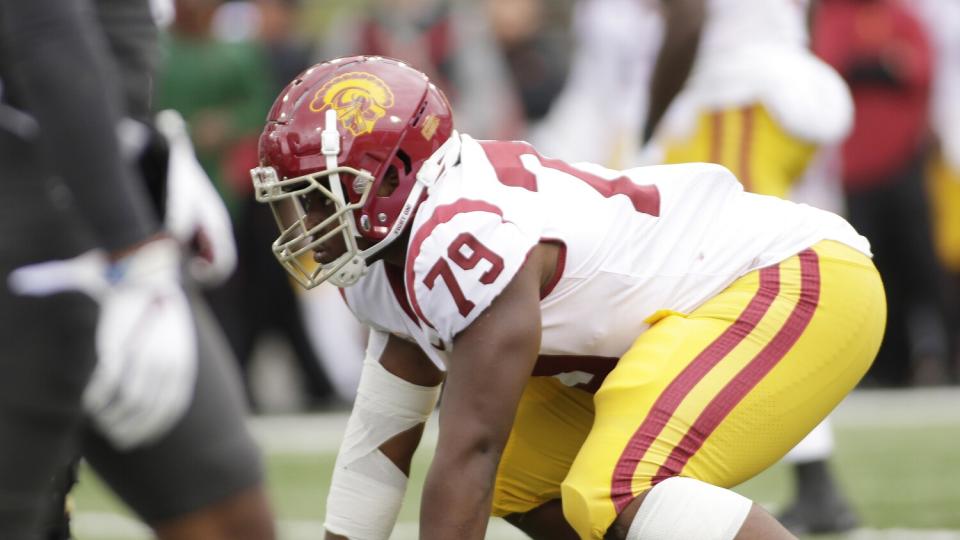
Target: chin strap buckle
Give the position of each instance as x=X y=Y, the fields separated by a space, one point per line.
x=330 y=137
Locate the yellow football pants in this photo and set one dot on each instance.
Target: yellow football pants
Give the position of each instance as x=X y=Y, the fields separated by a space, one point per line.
x=750 y=143
x=718 y=394
x=943 y=184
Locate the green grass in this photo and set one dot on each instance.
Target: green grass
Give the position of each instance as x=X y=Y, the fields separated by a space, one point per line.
x=903 y=478
x=908 y=477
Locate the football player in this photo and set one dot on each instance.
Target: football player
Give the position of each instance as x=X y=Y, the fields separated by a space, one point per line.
x=618 y=348
x=139 y=388
x=737 y=84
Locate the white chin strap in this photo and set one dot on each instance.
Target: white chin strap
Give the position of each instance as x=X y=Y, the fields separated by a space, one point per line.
x=330 y=147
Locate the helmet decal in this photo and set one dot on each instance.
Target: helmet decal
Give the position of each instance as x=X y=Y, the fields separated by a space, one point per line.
x=360 y=99
x=430 y=126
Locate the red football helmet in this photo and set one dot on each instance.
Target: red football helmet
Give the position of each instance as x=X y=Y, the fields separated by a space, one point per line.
x=336 y=130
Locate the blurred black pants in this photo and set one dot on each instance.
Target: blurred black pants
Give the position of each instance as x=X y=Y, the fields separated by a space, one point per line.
x=894 y=215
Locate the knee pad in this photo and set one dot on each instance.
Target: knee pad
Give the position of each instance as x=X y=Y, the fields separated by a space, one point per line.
x=690 y=509
x=367 y=488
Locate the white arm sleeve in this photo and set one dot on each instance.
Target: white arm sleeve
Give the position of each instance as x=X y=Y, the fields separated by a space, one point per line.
x=367 y=488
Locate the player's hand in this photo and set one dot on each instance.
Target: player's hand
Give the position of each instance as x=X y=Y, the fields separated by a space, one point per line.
x=195 y=214
x=146 y=341
x=147 y=346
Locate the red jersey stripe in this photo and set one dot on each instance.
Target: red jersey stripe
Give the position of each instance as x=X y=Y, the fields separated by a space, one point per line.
x=738 y=387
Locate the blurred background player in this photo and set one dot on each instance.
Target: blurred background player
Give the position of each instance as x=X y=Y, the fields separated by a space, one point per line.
x=452 y=40
x=161 y=389
x=884 y=53
x=45 y=374
x=737 y=84
x=598 y=114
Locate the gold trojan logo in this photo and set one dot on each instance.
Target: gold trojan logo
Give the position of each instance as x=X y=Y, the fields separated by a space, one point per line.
x=360 y=99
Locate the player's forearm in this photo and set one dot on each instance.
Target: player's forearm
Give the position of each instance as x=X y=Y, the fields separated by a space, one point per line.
x=491 y=364
x=457 y=496
x=684 y=22
x=60 y=73
x=475 y=422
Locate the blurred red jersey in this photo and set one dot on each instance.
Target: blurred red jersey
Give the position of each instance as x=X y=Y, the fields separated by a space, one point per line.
x=883 y=53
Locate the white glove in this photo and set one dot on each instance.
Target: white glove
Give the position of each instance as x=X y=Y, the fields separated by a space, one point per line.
x=196 y=215
x=146 y=341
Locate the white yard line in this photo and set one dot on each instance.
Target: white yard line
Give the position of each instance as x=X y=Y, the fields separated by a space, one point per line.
x=106 y=526
x=321 y=432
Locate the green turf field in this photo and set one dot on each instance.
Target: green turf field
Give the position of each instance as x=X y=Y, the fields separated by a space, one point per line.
x=898 y=456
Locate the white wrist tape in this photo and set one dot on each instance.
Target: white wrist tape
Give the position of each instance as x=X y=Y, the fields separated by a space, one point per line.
x=367 y=488
x=689 y=509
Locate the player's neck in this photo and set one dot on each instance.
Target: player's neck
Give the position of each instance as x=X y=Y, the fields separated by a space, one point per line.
x=396 y=253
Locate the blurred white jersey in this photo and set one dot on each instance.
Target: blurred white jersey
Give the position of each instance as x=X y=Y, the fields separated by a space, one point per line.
x=633 y=244
x=732 y=24
x=599 y=114
x=754 y=51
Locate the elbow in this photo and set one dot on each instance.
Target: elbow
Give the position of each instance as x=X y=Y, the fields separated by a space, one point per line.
x=479 y=452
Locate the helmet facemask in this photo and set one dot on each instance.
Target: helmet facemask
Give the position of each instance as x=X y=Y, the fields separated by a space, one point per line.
x=294 y=246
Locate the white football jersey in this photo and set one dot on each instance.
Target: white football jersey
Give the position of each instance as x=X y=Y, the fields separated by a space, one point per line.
x=731 y=24
x=599 y=114
x=754 y=51
x=632 y=243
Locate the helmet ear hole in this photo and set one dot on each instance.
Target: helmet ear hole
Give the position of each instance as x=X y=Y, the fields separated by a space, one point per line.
x=390 y=182
x=405 y=159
